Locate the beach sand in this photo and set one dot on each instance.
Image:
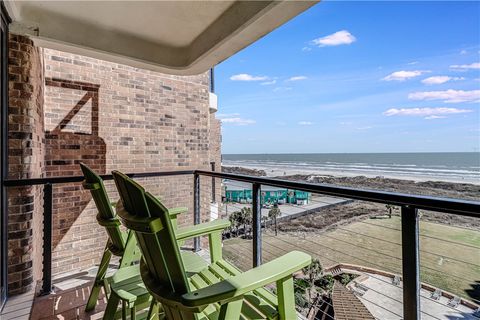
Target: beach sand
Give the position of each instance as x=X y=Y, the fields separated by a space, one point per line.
x=279 y=171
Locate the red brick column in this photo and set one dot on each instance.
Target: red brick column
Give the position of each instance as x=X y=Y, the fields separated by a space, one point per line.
x=26 y=153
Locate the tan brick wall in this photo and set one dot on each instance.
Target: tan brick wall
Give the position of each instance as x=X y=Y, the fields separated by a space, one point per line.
x=115 y=117
x=111 y=117
x=26 y=154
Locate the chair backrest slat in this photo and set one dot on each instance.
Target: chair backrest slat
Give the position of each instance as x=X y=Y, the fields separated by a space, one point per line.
x=159 y=248
x=94 y=183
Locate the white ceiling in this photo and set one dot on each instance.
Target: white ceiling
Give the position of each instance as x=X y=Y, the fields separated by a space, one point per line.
x=180 y=37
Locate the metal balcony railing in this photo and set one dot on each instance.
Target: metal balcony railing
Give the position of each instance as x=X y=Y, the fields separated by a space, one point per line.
x=409 y=204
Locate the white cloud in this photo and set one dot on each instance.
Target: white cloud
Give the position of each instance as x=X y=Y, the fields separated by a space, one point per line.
x=475 y=65
x=226 y=115
x=448 y=96
x=305 y=123
x=463 y=52
x=335 y=39
x=365 y=128
x=266 y=83
x=306 y=49
x=404 y=75
x=434 y=117
x=247 y=77
x=279 y=89
x=412 y=63
x=440 y=79
x=235 y=119
x=238 y=121
x=297 y=78
x=427 y=113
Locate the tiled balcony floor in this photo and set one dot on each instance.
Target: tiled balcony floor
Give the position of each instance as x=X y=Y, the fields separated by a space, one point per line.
x=18 y=307
x=67 y=304
x=71 y=292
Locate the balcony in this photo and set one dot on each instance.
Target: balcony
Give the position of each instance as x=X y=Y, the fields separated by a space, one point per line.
x=378 y=255
x=379 y=264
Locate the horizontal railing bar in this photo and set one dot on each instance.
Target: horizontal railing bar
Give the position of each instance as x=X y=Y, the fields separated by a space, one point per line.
x=69 y=179
x=446 y=205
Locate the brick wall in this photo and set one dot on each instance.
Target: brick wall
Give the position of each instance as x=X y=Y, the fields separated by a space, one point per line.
x=115 y=117
x=111 y=117
x=26 y=154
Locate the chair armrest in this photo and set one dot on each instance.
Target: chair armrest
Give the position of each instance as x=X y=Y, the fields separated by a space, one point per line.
x=250 y=280
x=176 y=211
x=201 y=229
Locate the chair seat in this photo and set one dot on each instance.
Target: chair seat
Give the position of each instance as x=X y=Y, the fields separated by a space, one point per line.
x=259 y=304
x=128 y=285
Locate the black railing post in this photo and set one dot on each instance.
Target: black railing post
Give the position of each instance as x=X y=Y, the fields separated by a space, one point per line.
x=410 y=263
x=196 y=208
x=257 y=226
x=47 y=239
x=212 y=164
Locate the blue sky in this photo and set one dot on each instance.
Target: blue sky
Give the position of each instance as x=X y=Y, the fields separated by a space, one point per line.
x=357 y=77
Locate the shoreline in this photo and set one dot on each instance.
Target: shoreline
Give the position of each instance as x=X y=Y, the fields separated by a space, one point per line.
x=279 y=172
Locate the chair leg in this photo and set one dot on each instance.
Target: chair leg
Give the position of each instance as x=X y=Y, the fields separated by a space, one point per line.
x=111 y=308
x=286 y=299
x=99 y=280
x=124 y=310
x=133 y=312
x=153 y=310
x=231 y=310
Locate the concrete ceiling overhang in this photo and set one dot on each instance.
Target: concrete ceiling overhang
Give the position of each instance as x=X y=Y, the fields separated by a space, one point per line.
x=178 y=37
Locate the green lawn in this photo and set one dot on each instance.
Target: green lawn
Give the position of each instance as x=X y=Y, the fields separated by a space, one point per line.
x=449 y=256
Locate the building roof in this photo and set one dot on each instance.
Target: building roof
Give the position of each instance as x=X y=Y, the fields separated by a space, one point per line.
x=238 y=185
x=177 y=37
x=347 y=306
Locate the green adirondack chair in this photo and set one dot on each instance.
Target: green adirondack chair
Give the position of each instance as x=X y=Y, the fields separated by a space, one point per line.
x=219 y=290
x=120 y=243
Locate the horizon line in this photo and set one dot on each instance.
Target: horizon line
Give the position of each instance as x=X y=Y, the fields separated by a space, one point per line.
x=396 y=152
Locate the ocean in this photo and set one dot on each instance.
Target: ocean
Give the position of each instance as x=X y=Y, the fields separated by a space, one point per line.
x=435 y=166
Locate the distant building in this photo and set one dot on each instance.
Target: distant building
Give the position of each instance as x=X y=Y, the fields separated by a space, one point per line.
x=346 y=305
x=236 y=191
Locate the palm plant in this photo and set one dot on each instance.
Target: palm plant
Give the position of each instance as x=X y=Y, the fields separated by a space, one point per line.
x=246 y=218
x=264 y=221
x=313 y=272
x=390 y=209
x=235 y=220
x=273 y=214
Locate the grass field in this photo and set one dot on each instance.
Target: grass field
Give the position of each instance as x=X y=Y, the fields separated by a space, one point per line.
x=449 y=256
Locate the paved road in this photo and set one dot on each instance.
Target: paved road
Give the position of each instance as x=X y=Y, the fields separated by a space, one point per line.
x=288 y=210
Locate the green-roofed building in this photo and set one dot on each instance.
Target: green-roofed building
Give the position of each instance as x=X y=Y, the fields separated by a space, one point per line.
x=242 y=192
